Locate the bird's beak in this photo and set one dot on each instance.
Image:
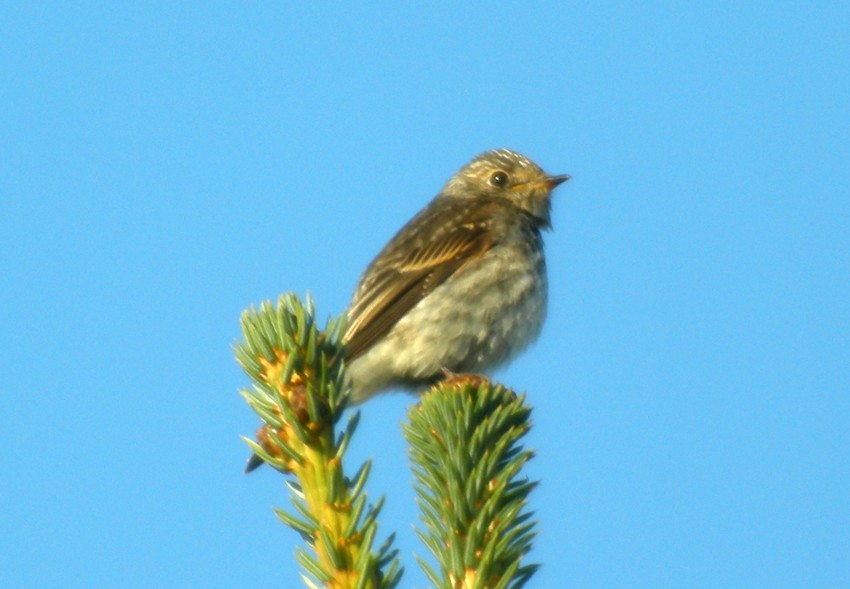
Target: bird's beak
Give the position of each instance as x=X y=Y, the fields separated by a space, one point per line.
x=553 y=181
x=547 y=183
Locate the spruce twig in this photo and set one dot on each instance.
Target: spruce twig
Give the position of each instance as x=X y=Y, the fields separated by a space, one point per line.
x=466 y=460
x=298 y=392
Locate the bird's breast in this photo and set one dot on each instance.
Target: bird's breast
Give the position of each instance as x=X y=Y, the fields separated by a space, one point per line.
x=483 y=315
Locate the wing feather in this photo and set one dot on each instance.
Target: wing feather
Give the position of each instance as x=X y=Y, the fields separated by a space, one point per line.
x=387 y=293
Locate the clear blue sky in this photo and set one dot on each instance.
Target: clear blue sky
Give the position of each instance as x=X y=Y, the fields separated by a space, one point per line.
x=164 y=166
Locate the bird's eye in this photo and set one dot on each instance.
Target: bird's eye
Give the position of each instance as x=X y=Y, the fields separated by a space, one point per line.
x=499 y=179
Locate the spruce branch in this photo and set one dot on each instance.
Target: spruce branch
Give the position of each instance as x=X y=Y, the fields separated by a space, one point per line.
x=298 y=392
x=466 y=459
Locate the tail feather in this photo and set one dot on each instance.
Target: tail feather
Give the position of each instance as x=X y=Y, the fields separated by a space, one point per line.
x=253 y=463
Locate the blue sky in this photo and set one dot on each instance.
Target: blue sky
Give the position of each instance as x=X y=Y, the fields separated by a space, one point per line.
x=164 y=166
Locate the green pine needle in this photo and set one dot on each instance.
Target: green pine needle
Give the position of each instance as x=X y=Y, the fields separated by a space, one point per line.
x=466 y=460
x=299 y=393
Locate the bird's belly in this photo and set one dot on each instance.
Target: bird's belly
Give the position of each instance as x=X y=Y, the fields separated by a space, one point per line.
x=481 y=317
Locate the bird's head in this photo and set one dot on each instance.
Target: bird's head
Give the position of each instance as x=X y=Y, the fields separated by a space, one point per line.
x=503 y=173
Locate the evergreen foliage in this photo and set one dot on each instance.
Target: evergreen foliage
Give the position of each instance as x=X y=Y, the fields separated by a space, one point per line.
x=298 y=393
x=464 y=448
x=466 y=459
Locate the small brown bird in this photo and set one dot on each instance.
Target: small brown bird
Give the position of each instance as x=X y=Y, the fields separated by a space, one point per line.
x=461 y=288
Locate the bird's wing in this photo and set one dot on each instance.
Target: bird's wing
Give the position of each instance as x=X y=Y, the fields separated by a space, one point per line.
x=388 y=293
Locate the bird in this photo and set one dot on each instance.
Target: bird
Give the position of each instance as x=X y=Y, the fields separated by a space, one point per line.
x=461 y=288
